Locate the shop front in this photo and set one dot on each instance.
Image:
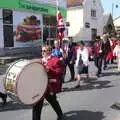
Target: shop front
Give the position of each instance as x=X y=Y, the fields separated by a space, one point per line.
x=27 y=24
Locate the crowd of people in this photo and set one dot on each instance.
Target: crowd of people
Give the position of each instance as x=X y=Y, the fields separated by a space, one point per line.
x=56 y=59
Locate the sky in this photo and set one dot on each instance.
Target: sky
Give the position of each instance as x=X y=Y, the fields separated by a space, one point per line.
x=107 y=6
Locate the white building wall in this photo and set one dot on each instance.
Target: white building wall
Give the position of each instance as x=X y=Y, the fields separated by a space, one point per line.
x=95 y=22
x=75 y=17
x=78 y=16
x=117 y=22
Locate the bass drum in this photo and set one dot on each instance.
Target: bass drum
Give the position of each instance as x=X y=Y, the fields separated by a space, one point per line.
x=26 y=81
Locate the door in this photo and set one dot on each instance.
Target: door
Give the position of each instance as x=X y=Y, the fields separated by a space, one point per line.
x=93 y=33
x=8 y=28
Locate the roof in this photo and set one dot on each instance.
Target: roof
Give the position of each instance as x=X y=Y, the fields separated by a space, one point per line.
x=117 y=18
x=106 y=18
x=73 y=3
x=117 y=21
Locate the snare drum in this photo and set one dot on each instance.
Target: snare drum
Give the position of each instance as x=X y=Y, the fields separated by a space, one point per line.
x=27 y=81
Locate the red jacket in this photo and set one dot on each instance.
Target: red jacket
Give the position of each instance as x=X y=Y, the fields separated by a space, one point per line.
x=55 y=72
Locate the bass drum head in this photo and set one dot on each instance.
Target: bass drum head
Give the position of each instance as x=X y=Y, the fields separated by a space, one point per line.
x=32 y=83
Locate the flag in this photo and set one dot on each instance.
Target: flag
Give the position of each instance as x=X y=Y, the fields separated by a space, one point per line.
x=60 y=25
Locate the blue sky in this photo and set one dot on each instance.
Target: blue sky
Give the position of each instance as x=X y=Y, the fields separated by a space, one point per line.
x=107 y=5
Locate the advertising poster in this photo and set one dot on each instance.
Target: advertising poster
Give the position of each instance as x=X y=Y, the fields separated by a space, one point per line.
x=27 y=29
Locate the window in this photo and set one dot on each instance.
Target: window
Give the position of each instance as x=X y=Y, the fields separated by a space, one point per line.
x=93 y=13
x=8 y=27
x=87 y=25
x=7 y=16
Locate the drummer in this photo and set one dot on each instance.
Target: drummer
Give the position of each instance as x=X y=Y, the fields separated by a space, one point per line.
x=54 y=69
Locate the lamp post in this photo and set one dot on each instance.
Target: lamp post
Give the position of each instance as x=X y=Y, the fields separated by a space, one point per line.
x=116 y=5
x=112 y=9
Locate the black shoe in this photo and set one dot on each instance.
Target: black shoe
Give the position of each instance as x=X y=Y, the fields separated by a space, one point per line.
x=77 y=86
x=60 y=117
x=104 y=68
x=71 y=79
x=4 y=99
x=117 y=104
x=98 y=74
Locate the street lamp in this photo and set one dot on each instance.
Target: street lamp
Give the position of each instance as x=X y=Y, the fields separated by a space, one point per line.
x=116 y=5
x=112 y=9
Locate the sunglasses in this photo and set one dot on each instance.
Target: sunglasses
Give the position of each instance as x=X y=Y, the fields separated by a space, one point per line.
x=46 y=50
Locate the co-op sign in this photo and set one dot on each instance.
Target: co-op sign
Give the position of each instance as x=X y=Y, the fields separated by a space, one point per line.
x=59 y=3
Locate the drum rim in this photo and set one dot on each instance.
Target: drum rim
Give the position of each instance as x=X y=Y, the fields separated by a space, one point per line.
x=8 y=72
x=18 y=76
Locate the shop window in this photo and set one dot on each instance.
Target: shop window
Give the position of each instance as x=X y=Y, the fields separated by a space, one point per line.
x=8 y=28
x=50 y=28
x=7 y=16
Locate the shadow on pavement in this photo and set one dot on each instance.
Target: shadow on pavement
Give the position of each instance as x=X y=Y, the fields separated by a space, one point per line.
x=90 y=85
x=112 y=67
x=84 y=115
x=12 y=106
x=110 y=74
x=84 y=79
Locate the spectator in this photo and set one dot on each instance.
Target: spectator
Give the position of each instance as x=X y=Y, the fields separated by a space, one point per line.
x=82 y=62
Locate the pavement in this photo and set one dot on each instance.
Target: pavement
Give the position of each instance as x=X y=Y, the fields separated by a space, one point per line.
x=94 y=100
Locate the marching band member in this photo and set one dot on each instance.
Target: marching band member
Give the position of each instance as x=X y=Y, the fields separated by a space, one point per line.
x=98 y=54
x=54 y=68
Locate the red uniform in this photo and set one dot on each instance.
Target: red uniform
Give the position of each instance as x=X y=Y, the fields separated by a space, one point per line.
x=55 y=72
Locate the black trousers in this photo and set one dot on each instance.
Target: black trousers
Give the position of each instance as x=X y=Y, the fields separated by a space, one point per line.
x=98 y=64
x=106 y=63
x=2 y=95
x=37 y=108
x=72 y=70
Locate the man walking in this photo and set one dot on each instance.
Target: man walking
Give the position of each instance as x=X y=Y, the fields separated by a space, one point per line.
x=98 y=54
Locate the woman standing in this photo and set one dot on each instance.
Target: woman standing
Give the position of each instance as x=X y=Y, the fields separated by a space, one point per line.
x=82 y=62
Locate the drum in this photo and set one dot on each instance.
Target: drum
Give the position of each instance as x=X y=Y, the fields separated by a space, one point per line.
x=26 y=80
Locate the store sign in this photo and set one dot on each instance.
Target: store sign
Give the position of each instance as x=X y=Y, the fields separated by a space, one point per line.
x=60 y=3
x=26 y=5
x=32 y=7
